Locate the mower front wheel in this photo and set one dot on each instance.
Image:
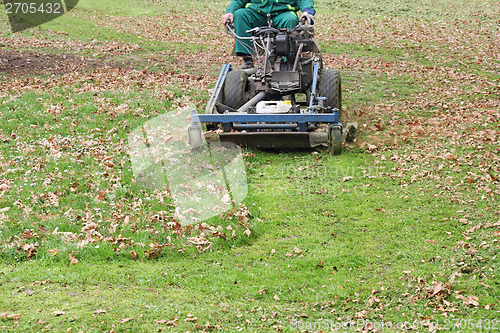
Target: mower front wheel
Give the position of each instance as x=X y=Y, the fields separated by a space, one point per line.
x=330 y=86
x=335 y=139
x=234 y=89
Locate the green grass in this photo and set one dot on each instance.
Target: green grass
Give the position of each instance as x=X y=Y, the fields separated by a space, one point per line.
x=365 y=235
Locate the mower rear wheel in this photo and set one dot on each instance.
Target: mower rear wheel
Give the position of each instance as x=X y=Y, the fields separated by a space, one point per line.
x=335 y=140
x=330 y=87
x=234 y=89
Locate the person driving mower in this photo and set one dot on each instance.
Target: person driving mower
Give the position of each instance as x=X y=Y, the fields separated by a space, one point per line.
x=255 y=13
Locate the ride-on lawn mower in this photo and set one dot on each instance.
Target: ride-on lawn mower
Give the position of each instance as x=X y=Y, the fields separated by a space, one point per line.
x=288 y=100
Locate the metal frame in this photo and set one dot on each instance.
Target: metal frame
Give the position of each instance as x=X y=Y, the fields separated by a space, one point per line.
x=290 y=121
x=243 y=120
x=234 y=117
x=226 y=68
x=313 y=87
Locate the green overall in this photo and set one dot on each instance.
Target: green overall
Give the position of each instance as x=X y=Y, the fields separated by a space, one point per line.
x=253 y=13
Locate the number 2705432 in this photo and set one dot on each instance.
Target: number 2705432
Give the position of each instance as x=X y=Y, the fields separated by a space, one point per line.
x=33 y=8
x=487 y=324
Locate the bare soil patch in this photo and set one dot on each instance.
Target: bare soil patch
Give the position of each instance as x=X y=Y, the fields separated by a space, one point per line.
x=23 y=63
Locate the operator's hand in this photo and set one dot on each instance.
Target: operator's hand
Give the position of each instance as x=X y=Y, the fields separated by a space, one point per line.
x=307 y=16
x=227 y=17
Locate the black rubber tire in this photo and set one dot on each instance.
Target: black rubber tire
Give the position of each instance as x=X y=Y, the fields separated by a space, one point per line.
x=335 y=140
x=234 y=89
x=330 y=86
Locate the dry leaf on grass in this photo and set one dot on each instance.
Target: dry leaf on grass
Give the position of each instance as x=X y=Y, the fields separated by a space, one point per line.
x=14 y=316
x=124 y=320
x=54 y=251
x=133 y=255
x=190 y=317
x=469 y=300
x=30 y=249
x=449 y=156
x=198 y=240
x=72 y=259
x=172 y=322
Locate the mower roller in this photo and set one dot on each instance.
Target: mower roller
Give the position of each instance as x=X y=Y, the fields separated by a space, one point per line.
x=287 y=101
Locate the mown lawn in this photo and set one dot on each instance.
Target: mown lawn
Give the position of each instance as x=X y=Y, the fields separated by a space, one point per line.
x=403 y=227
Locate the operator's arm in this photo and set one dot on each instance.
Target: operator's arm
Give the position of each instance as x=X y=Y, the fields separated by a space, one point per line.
x=237 y=4
x=234 y=6
x=307 y=6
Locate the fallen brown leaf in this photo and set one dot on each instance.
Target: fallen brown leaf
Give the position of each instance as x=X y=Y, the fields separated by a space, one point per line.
x=14 y=316
x=469 y=300
x=172 y=322
x=134 y=255
x=124 y=320
x=72 y=259
x=190 y=317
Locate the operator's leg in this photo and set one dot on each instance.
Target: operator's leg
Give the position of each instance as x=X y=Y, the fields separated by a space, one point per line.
x=286 y=20
x=246 y=19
